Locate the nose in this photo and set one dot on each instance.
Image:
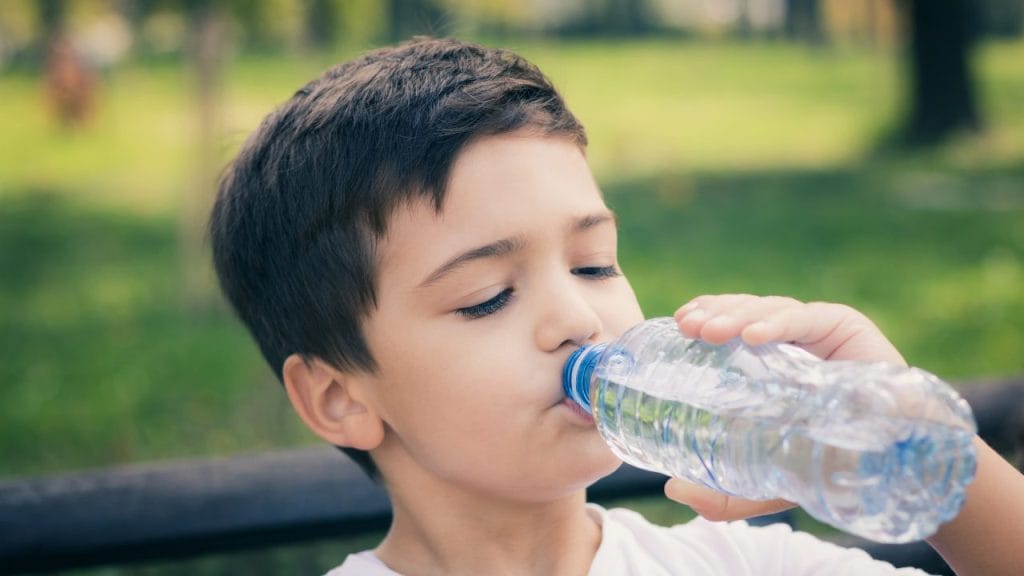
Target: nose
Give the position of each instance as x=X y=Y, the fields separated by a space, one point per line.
x=568 y=318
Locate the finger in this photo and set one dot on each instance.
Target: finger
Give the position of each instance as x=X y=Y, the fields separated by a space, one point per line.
x=742 y=312
x=830 y=331
x=716 y=506
x=718 y=303
x=718 y=319
x=807 y=325
x=691 y=316
x=712 y=311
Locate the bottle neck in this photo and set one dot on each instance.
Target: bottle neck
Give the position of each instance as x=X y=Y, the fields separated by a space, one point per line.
x=578 y=374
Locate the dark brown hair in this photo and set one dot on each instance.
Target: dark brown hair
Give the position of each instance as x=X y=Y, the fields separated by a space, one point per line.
x=301 y=207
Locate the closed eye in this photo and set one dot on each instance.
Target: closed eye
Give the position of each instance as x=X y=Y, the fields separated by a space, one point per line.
x=486 y=308
x=597 y=272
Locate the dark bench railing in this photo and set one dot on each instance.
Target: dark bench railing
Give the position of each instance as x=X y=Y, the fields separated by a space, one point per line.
x=188 y=508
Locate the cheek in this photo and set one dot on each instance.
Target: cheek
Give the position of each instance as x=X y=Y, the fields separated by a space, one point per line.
x=453 y=408
x=439 y=378
x=621 y=309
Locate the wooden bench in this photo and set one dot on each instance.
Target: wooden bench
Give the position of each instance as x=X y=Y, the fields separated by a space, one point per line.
x=186 y=508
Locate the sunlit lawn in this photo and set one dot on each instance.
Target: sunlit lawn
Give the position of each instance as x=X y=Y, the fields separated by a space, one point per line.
x=648 y=106
x=732 y=167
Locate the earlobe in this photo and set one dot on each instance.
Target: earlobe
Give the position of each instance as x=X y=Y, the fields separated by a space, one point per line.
x=331 y=403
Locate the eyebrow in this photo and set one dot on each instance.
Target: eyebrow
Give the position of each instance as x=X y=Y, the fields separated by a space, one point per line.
x=507 y=246
x=589 y=221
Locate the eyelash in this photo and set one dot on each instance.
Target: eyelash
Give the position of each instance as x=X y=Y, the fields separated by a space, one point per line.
x=598 y=272
x=501 y=300
x=486 y=308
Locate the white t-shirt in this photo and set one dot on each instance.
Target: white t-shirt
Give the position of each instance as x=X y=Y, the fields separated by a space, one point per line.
x=632 y=546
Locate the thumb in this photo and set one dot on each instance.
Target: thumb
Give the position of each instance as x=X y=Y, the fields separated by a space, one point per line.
x=716 y=506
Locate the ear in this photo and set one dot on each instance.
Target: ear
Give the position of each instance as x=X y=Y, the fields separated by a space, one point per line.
x=332 y=403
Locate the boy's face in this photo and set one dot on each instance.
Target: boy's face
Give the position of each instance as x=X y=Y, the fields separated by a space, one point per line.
x=479 y=307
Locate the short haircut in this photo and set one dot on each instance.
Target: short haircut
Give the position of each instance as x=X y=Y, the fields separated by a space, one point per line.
x=302 y=207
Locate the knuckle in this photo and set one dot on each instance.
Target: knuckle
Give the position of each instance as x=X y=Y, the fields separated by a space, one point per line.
x=783 y=301
x=845 y=312
x=715 y=515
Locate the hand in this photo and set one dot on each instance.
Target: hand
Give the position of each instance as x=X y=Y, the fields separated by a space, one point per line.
x=718 y=507
x=829 y=331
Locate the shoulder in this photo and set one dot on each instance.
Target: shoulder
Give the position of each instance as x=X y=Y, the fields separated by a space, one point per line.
x=362 y=564
x=630 y=542
x=632 y=545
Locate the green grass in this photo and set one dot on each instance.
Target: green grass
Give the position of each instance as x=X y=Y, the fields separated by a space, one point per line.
x=649 y=106
x=715 y=106
x=733 y=167
x=934 y=256
x=101 y=364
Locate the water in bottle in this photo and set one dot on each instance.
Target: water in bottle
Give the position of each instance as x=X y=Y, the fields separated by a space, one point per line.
x=877 y=450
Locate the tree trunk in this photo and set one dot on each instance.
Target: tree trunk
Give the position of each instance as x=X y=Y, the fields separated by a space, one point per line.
x=52 y=16
x=207 y=49
x=803 y=20
x=408 y=18
x=321 y=24
x=628 y=17
x=942 y=88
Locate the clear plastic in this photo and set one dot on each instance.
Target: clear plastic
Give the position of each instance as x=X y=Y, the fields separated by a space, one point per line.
x=877 y=450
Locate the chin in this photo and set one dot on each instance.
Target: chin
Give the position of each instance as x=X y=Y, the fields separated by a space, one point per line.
x=599 y=462
x=611 y=466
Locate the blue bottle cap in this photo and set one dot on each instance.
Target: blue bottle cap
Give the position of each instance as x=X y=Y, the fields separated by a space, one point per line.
x=579 y=369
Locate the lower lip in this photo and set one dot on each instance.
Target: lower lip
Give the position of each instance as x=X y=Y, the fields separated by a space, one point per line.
x=578 y=410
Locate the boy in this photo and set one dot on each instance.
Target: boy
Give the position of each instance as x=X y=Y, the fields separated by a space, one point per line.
x=417 y=245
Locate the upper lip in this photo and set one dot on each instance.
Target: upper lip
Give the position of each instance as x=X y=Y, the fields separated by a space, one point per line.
x=561 y=394
x=561 y=366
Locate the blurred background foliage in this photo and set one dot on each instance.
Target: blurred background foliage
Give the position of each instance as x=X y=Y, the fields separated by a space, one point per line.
x=802 y=147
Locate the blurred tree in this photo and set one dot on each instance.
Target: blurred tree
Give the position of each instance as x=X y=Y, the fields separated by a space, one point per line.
x=623 y=17
x=321 y=24
x=942 y=101
x=253 y=19
x=496 y=18
x=52 y=16
x=627 y=16
x=270 y=25
x=362 y=22
x=207 y=49
x=411 y=17
x=1001 y=17
x=133 y=11
x=803 y=20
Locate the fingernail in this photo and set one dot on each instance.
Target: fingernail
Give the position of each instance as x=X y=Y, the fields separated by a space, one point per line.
x=760 y=332
x=721 y=320
x=691 y=305
x=696 y=315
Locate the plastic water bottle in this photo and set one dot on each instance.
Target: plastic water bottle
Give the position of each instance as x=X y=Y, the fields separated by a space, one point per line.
x=874 y=449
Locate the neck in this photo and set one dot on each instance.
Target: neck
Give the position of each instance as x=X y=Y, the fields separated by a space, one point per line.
x=457 y=531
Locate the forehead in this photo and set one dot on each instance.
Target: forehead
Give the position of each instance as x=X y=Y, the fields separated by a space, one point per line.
x=500 y=186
